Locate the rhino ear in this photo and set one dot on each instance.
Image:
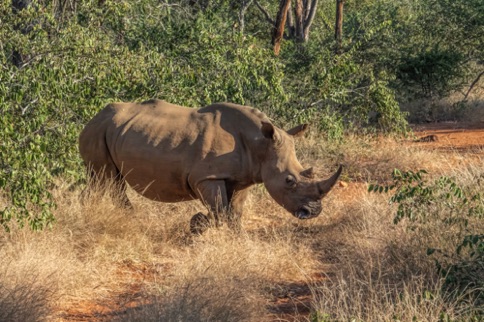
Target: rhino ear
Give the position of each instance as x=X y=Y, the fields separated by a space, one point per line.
x=308 y=173
x=298 y=131
x=269 y=131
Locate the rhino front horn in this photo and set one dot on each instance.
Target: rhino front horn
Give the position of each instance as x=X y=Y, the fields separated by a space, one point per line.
x=326 y=185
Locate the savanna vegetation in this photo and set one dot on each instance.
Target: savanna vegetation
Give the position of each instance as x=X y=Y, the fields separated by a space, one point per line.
x=414 y=250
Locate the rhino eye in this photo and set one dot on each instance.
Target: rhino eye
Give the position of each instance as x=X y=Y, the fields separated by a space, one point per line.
x=291 y=181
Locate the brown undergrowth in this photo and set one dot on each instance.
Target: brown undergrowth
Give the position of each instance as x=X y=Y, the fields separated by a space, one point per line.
x=100 y=263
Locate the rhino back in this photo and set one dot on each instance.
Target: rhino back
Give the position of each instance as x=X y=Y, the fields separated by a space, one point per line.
x=155 y=121
x=238 y=119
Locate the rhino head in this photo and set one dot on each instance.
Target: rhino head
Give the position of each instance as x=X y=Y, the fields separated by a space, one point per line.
x=288 y=183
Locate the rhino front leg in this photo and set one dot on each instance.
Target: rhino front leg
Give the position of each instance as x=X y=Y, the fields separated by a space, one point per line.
x=213 y=194
x=236 y=209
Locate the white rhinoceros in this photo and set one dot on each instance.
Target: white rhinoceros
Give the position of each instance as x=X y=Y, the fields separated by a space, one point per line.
x=171 y=153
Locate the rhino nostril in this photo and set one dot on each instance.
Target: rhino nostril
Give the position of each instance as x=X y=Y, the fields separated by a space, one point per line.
x=303 y=213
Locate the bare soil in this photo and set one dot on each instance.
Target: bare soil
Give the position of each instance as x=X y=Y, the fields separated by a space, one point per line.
x=462 y=137
x=291 y=301
x=118 y=303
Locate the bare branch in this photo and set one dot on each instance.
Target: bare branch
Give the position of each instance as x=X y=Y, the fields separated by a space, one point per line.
x=245 y=5
x=326 y=24
x=266 y=14
x=307 y=8
x=473 y=84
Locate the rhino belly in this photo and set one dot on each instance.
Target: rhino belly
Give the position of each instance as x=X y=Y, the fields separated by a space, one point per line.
x=157 y=181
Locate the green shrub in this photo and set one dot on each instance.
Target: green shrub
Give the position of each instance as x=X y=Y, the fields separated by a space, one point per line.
x=454 y=207
x=431 y=73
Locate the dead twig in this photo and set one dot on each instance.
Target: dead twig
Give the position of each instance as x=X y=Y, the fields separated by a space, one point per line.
x=266 y=14
x=473 y=84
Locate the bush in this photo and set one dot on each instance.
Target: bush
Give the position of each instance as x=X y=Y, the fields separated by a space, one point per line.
x=338 y=93
x=445 y=203
x=432 y=73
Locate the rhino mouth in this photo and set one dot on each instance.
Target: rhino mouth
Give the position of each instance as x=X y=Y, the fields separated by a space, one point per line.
x=303 y=213
x=309 y=210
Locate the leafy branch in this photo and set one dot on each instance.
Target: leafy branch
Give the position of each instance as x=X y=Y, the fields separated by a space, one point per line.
x=444 y=200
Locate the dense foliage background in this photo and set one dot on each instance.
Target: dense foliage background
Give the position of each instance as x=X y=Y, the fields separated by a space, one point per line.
x=62 y=61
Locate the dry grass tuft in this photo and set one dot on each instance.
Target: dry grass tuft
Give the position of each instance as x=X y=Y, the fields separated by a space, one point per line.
x=226 y=277
x=24 y=295
x=39 y=269
x=206 y=299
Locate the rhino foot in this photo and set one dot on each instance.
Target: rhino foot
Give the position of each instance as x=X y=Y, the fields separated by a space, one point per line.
x=199 y=224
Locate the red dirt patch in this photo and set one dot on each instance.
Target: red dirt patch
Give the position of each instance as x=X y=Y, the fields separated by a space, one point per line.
x=128 y=296
x=462 y=137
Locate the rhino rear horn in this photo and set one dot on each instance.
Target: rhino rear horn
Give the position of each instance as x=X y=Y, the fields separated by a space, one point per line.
x=326 y=185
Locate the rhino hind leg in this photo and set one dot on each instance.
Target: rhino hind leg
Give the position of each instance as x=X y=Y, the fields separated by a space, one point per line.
x=108 y=178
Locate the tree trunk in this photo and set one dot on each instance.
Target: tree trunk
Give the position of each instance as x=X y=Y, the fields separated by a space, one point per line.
x=278 y=30
x=299 y=21
x=338 y=30
x=290 y=25
x=310 y=13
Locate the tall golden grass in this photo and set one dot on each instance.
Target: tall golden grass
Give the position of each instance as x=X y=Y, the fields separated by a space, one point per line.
x=101 y=263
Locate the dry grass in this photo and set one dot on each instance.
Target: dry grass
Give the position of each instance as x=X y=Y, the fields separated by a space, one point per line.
x=450 y=108
x=225 y=278
x=382 y=272
x=369 y=159
x=144 y=265
x=25 y=294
